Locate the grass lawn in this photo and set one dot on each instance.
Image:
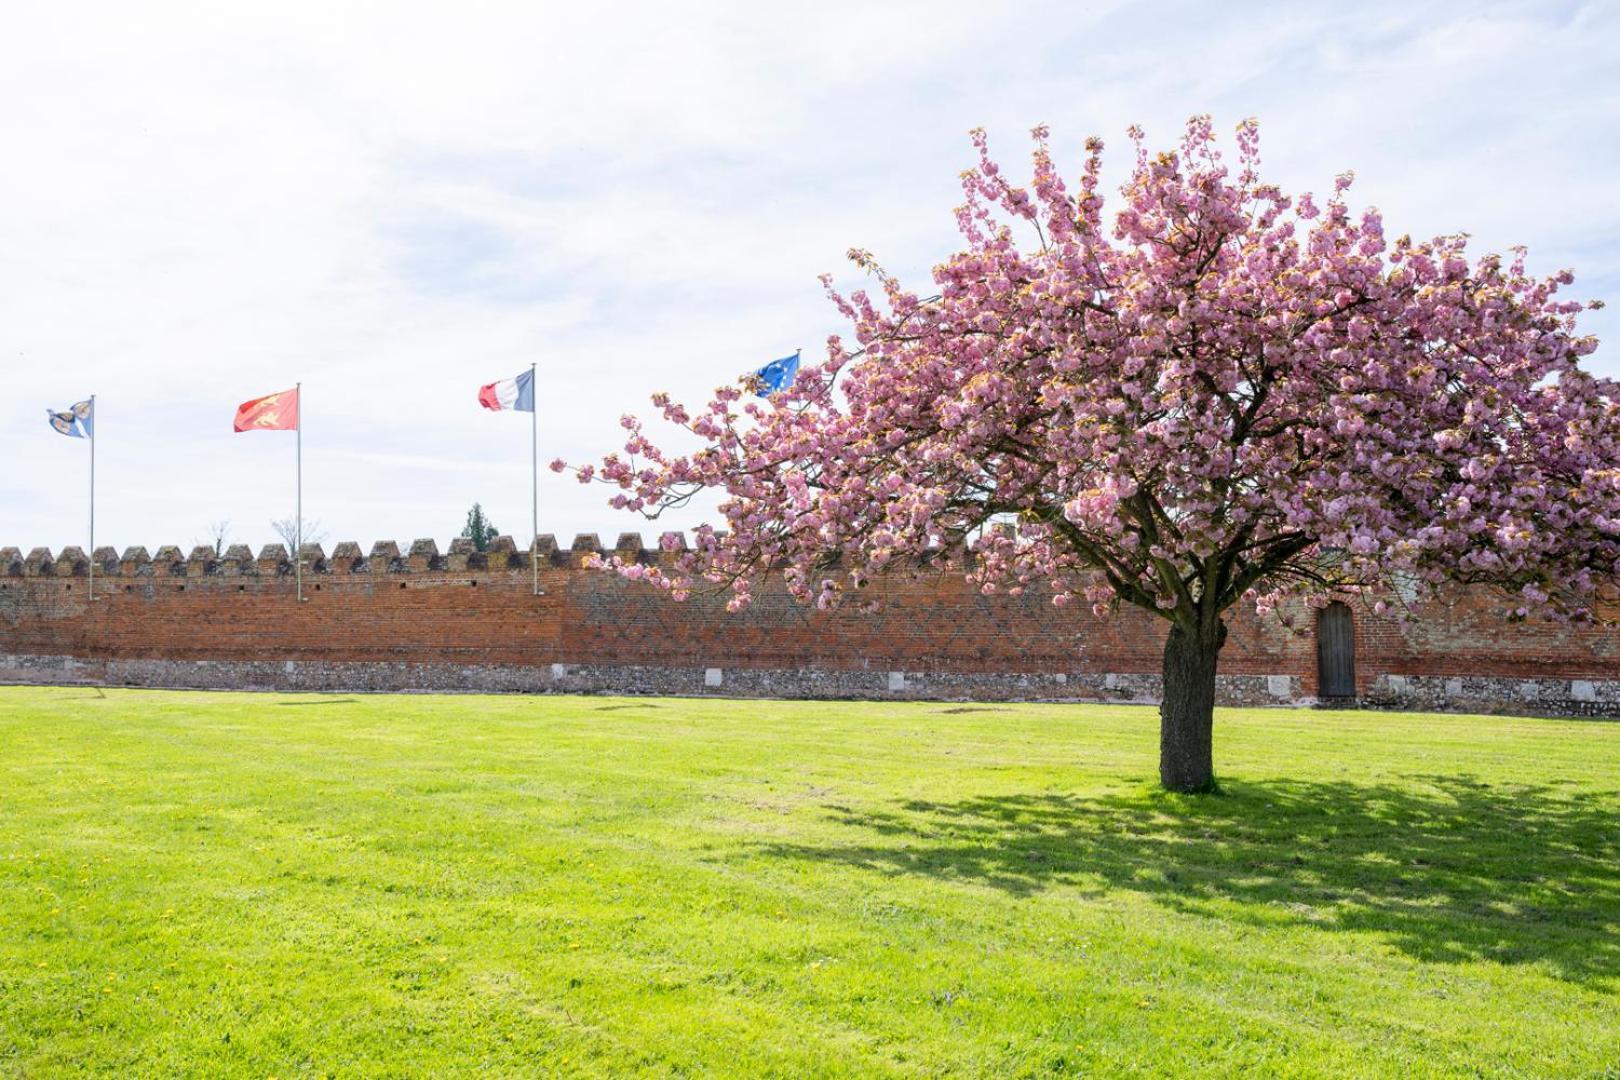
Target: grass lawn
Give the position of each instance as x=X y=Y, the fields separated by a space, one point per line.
x=304 y=885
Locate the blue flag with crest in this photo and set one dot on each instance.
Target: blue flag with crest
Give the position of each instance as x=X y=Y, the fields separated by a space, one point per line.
x=78 y=421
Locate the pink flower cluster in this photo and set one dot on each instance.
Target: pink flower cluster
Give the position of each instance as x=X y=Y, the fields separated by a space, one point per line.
x=1224 y=393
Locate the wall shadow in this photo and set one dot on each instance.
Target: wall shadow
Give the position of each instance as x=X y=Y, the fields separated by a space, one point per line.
x=1445 y=869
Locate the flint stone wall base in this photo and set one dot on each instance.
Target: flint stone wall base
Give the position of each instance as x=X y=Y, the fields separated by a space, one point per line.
x=1494 y=694
x=608 y=679
x=1540 y=697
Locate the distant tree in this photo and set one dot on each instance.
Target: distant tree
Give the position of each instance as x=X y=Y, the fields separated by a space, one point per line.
x=287 y=529
x=480 y=530
x=1226 y=396
x=218 y=533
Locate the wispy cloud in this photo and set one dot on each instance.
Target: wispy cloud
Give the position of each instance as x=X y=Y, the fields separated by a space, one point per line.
x=394 y=204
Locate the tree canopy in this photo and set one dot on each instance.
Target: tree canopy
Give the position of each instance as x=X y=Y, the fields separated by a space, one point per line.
x=1225 y=394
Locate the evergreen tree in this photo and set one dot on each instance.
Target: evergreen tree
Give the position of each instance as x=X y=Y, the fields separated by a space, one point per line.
x=479 y=528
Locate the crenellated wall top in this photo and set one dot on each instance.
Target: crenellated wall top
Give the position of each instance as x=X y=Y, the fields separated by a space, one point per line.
x=347 y=557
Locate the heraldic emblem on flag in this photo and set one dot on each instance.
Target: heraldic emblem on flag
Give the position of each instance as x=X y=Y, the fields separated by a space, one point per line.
x=274 y=412
x=78 y=422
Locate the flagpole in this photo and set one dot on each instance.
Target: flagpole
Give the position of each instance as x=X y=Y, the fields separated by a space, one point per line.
x=298 y=555
x=534 y=481
x=92 y=496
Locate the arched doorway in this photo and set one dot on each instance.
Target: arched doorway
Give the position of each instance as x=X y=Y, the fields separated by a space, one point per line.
x=1335 y=652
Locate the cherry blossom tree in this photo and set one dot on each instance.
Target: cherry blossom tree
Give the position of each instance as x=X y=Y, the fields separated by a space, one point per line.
x=1226 y=395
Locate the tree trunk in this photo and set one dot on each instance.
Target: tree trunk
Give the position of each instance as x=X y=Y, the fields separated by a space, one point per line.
x=1187 y=716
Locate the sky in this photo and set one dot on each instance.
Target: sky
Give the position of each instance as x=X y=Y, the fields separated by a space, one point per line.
x=396 y=203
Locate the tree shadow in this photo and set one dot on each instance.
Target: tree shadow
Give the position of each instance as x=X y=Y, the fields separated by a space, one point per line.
x=1445 y=869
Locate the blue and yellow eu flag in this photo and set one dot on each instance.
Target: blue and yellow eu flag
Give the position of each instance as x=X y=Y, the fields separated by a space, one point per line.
x=774 y=376
x=78 y=422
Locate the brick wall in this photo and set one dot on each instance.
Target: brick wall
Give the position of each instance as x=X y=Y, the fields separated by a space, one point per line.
x=420 y=619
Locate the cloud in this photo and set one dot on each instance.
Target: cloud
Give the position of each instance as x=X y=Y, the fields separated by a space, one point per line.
x=396 y=203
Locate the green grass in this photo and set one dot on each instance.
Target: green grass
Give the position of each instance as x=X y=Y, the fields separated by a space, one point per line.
x=268 y=885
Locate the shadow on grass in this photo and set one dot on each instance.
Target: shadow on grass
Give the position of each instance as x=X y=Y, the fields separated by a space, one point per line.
x=633 y=705
x=322 y=701
x=1444 y=869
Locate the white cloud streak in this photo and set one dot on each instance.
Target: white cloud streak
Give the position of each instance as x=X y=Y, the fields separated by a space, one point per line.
x=394 y=204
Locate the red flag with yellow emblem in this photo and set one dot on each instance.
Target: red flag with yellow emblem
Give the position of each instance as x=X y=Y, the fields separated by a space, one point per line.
x=275 y=412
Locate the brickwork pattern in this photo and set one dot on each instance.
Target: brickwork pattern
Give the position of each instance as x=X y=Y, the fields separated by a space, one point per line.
x=467 y=620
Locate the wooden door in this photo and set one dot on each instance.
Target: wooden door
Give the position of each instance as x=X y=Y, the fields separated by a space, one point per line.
x=1335 y=652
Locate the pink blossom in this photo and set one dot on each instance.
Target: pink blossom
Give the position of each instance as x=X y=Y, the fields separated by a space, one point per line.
x=1223 y=394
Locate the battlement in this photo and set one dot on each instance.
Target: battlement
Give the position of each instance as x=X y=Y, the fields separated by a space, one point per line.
x=348 y=557
x=421 y=556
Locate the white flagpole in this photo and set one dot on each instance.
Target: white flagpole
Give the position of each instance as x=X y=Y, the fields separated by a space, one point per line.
x=93 y=419
x=534 y=480
x=298 y=554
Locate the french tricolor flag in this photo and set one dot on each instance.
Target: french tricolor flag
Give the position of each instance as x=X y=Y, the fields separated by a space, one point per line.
x=514 y=393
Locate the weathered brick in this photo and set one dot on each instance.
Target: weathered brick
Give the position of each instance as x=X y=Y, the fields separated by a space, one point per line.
x=170 y=620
